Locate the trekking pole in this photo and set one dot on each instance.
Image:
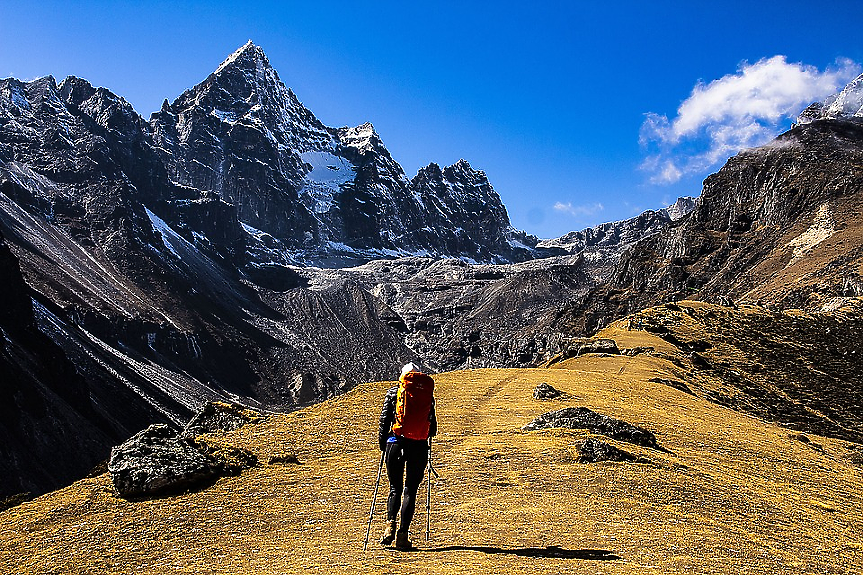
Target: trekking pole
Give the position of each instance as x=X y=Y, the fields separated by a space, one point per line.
x=374 y=500
x=428 y=492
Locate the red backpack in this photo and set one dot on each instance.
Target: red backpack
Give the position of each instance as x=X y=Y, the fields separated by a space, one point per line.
x=413 y=405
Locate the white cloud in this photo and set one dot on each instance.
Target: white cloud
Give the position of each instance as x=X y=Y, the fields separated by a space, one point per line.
x=735 y=112
x=579 y=211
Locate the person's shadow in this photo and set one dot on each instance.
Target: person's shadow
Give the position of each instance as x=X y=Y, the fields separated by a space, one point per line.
x=551 y=552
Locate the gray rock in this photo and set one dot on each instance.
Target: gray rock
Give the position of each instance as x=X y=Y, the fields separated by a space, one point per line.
x=592 y=450
x=546 y=391
x=584 y=418
x=599 y=346
x=158 y=461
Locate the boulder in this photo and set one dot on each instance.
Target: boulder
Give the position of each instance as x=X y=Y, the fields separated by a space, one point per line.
x=593 y=450
x=545 y=391
x=584 y=418
x=158 y=461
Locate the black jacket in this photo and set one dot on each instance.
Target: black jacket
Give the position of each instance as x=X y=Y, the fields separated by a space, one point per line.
x=388 y=417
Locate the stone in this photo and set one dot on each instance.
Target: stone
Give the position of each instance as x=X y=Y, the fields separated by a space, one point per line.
x=545 y=391
x=158 y=461
x=593 y=450
x=584 y=418
x=608 y=346
x=284 y=459
x=637 y=350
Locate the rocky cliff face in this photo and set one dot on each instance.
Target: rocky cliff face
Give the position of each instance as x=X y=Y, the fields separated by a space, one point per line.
x=619 y=235
x=53 y=428
x=778 y=225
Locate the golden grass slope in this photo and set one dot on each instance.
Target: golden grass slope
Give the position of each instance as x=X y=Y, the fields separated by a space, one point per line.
x=734 y=495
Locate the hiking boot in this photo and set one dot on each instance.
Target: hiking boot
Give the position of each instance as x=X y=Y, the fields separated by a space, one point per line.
x=389 y=533
x=402 y=541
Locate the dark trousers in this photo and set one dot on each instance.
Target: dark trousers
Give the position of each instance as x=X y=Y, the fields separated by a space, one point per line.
x=406 y=462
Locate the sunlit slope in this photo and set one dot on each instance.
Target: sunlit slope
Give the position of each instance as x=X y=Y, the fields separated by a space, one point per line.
x=732 y=494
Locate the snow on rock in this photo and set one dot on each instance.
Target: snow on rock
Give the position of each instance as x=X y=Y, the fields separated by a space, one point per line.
x=615 y=235
x=822 y=228
x=682 y=207
x=328 y=173
x=848 y=103
x=360 y=137
x=169 y=237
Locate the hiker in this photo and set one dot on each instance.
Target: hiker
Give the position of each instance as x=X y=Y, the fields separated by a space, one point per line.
x=407 y=422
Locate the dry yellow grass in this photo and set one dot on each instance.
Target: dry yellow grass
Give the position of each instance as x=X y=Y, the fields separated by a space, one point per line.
x=735 y=495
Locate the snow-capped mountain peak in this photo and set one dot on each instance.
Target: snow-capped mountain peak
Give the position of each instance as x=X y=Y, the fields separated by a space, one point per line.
x=847 y=103
x=242 y=134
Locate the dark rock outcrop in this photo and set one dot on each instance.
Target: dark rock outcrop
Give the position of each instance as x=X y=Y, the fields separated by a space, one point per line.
x=158 y=461
x=584 y=418
x=161 y=461
x=593 y=450
x=545 y=391
x=676 y=384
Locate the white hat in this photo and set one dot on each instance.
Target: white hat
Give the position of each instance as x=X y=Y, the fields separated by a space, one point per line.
x=410 y=366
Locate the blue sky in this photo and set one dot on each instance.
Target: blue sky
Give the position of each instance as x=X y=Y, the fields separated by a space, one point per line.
x=579 y=113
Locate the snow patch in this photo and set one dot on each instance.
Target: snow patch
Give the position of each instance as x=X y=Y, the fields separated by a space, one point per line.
x=324 y=180
x=170 y=238
x=518 y=245
x=327 y=167
x=822 y=228
x=227 y=117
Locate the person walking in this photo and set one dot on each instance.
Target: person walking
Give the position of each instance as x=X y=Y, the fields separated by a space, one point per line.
x=408 y=421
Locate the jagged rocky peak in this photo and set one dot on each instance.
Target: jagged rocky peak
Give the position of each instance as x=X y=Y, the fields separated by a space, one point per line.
x=845 y=104
x=242 y=135
x=682 y=207
x=459 y=189
x=105 y=107
x=363 y=137
x=246 y=89
x=247 y=56
x=618 y=235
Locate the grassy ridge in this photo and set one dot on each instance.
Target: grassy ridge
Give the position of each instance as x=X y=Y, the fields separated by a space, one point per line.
x=734 y=494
